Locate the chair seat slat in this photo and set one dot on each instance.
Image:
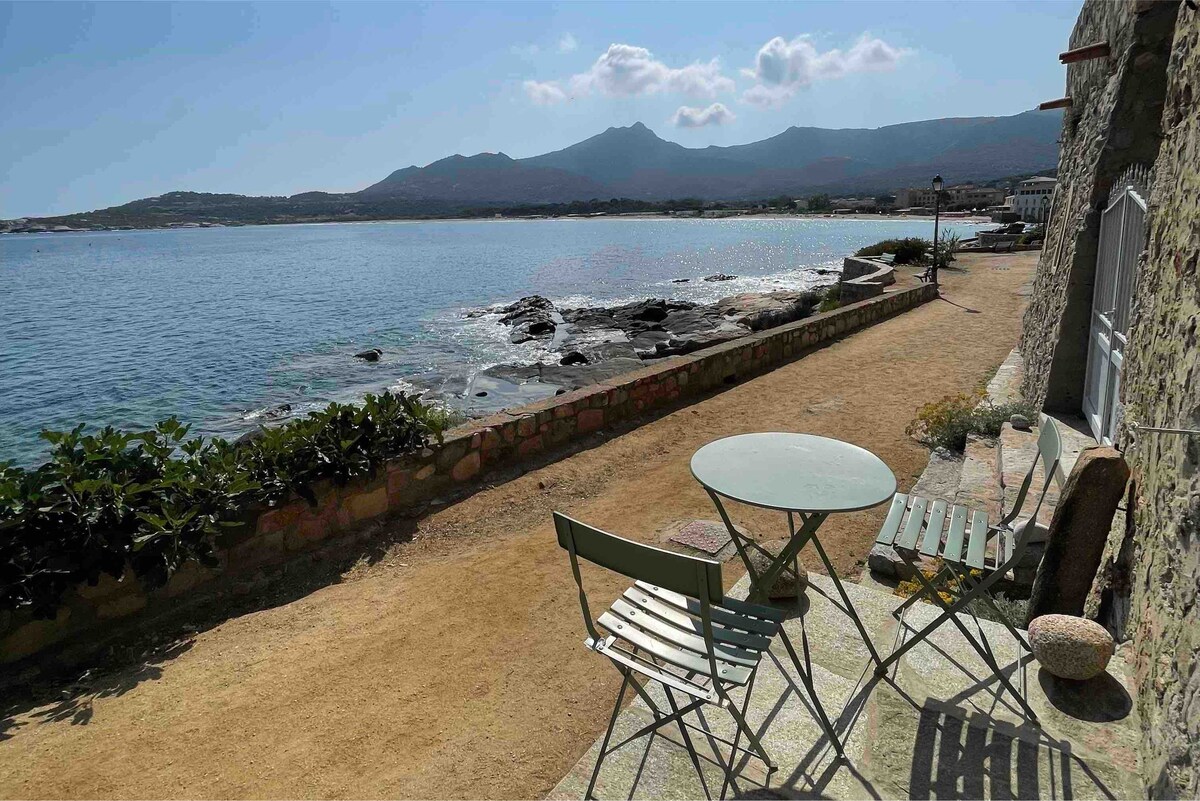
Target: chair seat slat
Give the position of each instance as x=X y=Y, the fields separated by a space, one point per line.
x=912 y=529
x=977 y=545
x=688 y=660
x=655 y=672
x=719 y=615
x=891 y=524
x=644 y=600
x=673 y=635
x=952 y=553
x=933 y=530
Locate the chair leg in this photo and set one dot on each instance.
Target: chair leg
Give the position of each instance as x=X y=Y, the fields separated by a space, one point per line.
x=810 y=688
x=918 y=595
x=737 y=738
x=612 y=722
x=988 y=599
x=951 y=610
x=687 y=741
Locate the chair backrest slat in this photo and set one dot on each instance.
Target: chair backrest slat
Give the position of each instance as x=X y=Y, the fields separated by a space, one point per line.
x=1049 y=453
x=688 y=575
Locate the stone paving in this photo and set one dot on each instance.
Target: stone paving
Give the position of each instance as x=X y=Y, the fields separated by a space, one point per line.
x=933 y=728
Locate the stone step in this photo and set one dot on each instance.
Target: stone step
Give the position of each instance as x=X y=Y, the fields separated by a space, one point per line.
x=979 y=484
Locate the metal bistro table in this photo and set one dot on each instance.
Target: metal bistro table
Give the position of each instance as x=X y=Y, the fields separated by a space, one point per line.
x=806 y=476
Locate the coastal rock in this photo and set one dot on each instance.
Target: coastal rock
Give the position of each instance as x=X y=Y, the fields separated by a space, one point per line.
x=573 y=357
x=565 y=377
x=680 y=280
x=758 y=311
x=372 y=355
x=720 y=277
x=531 y=317
x=1070 y=647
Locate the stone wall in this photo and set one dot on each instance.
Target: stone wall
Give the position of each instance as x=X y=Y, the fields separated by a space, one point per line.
x=510 y=440
x=1161 y=388
x=1113 y=122
x=1138 y=107
x=863 y=278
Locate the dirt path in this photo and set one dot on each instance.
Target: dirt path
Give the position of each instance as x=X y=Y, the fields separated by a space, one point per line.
x=453 y=667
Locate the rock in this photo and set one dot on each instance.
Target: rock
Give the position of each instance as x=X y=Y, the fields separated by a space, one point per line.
x=1078 y=532
x=530 y=317
x=573 y=357
x=566 y=377
x=253 y=434
x=371 y=355
x=1020 y=422
x=720 y=277
x=758 y=311
x=785 y=586
x=680 y=280
x=1070 y=647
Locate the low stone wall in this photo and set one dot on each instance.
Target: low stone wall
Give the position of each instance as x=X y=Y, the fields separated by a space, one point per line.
x=864 y=278
x=272 y=537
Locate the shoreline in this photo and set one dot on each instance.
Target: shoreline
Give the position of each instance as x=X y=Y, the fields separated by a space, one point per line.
x=970 y=220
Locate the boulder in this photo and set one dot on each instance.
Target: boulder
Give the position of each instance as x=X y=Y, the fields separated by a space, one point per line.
x=1020 y=422
x=719 y=277
x=530 y=317
x=1078 y=532
x=785 y=586
x=1070 y=647
x=371 y=355
x=759 y=311
x=573 y=357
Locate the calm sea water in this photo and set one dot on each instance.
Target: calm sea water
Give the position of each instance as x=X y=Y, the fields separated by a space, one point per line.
x=217 y=325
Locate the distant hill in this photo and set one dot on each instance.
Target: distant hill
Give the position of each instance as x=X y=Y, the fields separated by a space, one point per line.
x=635 y=163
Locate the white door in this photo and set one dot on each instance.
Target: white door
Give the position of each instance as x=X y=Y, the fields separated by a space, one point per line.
x=1122 y=237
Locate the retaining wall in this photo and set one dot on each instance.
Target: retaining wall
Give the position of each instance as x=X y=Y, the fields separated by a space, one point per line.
x=272 y=537
x=864 y=278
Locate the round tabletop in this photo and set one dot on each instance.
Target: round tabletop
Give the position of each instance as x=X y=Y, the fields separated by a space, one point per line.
x=794 y=472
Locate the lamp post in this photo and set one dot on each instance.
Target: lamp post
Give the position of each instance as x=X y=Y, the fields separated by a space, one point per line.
x=937 y=209
x=1045 y=208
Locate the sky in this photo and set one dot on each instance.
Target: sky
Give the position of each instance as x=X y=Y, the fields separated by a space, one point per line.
x=105 y=103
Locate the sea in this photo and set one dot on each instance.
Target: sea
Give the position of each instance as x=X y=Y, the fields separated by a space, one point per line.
x=226 y=328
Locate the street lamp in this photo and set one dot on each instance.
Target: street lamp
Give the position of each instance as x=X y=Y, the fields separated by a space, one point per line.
x=1045 y=208
x=937 y=208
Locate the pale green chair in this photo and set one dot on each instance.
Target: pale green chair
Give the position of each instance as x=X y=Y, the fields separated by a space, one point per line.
x=675 y=627
x=975 y=554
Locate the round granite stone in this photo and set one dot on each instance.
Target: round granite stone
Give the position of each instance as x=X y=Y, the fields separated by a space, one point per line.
x=1070 y=647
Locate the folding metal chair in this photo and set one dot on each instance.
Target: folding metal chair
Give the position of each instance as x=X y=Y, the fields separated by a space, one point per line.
x=674 y=626
x=972 y=561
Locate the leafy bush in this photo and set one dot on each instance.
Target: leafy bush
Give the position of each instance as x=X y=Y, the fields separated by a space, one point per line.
x=947 y=247
x=947 y=422
x=911 y=250
x=832 y=299
x=153 y=500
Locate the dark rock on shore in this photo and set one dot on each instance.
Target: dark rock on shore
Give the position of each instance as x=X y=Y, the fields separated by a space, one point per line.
x=531 y=317
x=372 y=355
x=720 y=277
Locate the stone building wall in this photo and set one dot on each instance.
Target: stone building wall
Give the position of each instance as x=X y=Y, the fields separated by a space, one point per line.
x=1138 y=107
x=1161 y=388
x=1113 y=122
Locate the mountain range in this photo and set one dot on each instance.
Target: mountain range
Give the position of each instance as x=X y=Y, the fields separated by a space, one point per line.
x=633 y=162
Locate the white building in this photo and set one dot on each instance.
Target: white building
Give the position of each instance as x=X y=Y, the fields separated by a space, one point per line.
x=1033 y=198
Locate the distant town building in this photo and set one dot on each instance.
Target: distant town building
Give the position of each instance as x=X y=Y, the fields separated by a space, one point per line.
x=966 y=196
x=1032 y=200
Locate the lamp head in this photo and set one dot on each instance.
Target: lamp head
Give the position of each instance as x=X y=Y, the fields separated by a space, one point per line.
x=937 y=183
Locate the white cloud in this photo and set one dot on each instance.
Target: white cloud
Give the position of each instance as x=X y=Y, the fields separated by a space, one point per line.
x=782 y=68
x=688 y=117
x=545 y=93
x=625 y=70
x=567 y=44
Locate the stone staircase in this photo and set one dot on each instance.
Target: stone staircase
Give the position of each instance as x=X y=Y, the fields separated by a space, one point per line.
x=988 y=476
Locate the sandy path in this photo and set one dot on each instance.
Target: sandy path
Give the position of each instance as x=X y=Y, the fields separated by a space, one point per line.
x=453 y=666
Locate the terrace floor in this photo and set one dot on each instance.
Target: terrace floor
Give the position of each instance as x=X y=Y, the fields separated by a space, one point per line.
x=442 y=658
x=936 y=727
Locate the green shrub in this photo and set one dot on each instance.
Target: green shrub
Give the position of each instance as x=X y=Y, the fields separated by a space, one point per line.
x=832 y=299
x=149 y=501
x=911 y=250
x=946 y=423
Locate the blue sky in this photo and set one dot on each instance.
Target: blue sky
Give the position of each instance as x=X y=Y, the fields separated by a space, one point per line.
x=110 y=102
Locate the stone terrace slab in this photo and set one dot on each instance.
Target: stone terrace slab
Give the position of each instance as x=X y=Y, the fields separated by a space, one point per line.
x=934 y=728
